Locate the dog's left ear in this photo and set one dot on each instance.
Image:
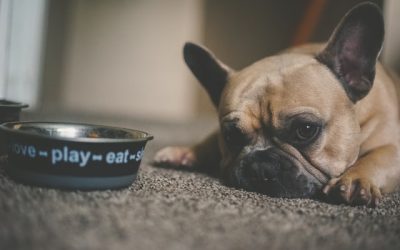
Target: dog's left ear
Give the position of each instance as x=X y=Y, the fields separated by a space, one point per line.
x=210 y=72
x=352 y=51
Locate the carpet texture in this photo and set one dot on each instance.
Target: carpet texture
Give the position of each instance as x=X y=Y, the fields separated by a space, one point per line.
x=172 y=209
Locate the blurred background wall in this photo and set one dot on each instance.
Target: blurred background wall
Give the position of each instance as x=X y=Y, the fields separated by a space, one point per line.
x=123 y=58
x=120 y=58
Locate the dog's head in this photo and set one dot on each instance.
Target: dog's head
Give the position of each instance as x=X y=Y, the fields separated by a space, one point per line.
x=288 y=122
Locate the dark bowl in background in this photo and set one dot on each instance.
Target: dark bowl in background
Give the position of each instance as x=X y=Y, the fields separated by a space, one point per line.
x=73 y=156
x=10 y=111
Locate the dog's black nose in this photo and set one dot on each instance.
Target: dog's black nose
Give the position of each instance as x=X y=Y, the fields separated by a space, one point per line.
x=263 y=165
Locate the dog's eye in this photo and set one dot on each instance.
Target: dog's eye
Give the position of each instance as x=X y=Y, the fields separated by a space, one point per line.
x=305 y=132
x=234 y=135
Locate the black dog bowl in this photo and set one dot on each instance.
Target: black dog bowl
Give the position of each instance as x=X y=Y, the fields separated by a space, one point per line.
x=73 y=156
x=9 y=111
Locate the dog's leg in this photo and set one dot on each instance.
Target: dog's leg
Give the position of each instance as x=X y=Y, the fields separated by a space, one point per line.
x=375 y=173
x=204 y=156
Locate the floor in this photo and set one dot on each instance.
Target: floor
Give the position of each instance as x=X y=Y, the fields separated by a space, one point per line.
x=172 y=209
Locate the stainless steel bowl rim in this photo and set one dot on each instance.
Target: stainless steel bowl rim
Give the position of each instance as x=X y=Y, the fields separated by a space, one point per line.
x=5 y=127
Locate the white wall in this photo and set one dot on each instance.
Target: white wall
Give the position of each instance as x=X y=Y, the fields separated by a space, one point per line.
x=5 y=15
x=125 y=58
x=22 y=31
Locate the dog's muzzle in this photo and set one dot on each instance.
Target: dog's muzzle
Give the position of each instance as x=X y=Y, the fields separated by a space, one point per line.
x=274 y=173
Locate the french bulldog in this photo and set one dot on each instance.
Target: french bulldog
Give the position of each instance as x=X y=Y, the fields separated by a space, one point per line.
x=315 y=119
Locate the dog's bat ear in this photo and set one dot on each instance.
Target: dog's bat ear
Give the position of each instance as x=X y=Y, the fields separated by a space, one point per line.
x=352 y=51
x=210 y=72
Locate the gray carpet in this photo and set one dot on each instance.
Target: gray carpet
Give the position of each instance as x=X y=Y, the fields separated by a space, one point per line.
x=172 y=209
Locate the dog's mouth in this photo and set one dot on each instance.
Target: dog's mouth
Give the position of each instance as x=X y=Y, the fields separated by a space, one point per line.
x=279 y=173
x=300 y=161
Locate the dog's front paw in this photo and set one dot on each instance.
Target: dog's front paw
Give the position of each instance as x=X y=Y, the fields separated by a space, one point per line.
x=353 y=189
x=175 y=157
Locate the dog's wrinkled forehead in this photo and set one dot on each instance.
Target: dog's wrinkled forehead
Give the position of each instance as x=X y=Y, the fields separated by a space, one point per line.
x=286 y=83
